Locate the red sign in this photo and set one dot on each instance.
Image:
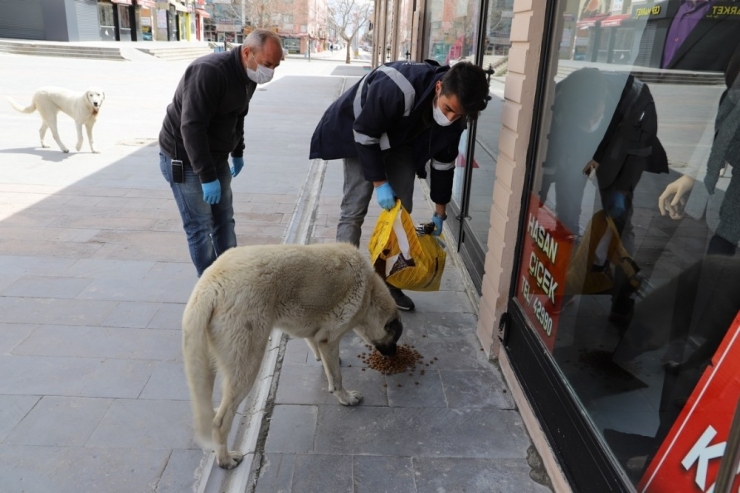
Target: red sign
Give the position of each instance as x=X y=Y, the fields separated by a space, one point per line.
x=544 y=265
x=688 y=460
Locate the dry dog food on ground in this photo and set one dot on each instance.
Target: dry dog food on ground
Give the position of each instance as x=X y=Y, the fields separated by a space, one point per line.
x=406 y=359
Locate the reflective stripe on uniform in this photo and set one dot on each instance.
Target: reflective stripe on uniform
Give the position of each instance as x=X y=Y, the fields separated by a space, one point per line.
x=442 y=166
x=409 y=94
x=384 y=142
x=365 y=140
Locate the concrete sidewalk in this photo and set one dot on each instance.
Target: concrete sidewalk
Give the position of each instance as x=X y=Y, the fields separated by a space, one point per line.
x=95 y=274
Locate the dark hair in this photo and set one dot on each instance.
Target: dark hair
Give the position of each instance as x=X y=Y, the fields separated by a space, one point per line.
x=468 y=82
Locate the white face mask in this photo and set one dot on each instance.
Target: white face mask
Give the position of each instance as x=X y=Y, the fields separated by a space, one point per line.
x=262 y=75
x=439 y=116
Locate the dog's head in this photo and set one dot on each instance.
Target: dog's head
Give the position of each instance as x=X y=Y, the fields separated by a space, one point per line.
x=95 y=97
x=382 y=326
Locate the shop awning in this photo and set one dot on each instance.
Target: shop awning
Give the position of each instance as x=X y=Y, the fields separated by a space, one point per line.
x=590 y=21
x=147 y=4
x=202 y=13
x=123 y=2
x=178 y=6
x=615 y=20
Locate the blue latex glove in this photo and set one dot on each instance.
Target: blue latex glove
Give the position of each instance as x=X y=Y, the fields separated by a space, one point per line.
x=237 y=163
x=386 y=197
x=438 y=223
x=212 y=192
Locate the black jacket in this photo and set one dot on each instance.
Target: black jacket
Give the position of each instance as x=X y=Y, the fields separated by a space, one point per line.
x=205 y=121
x=630 y=145
x=708 y=47
x=395 y=101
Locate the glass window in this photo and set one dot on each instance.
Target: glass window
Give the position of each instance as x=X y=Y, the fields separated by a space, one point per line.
x=629 y=271
x=124 y=17
x=105 y=14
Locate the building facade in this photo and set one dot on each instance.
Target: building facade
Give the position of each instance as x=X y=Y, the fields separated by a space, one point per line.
x=103 y=20
x=594 y=210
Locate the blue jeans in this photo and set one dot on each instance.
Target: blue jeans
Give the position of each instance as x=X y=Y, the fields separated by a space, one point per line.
x=358 y=192
x=209 y=228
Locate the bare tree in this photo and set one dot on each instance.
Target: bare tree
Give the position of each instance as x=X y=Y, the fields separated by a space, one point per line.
x=349 y=17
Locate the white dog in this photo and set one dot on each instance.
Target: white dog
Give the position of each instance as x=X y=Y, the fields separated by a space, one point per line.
x=317 y=292
x=83 y=107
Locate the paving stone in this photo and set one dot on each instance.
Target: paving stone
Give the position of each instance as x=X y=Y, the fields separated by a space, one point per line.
x=441 y=301
x=313 y=472
x=13 y=408
x=456 y=475
x=30 y=266
x=131 y=314
x=419 y=432
x=181 y=473
x=54 y=311
x=84 y=377
x=167 y=382
x=149 y=289
x=102 y=342
x=276 y=474
x=42 y=248
x=292 y=429
x=387 y=474
x=168 y=316
x=112 y=269
x=467 y=389
x=145 y=424
x=428 y=392
x=59 y=421
x=13 y=334
x=454 y=350
x=308 y=385
x=46 y=287
x=26 y=469
x=174 y=271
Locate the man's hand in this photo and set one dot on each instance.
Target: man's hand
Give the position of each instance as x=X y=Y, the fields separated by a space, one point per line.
x=212 y=192
x=386 y=197
x=591 y=166
x=677 y=193
x=237 y=163
x=439 y=222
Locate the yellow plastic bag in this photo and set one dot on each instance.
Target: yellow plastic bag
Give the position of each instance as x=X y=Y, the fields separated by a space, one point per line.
x=405 y=257
x=580 y=278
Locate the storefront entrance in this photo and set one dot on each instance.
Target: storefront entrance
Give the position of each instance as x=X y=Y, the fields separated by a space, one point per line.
x=624 y=309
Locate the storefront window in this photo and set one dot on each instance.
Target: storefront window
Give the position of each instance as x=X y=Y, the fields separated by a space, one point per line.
x=105 y=15
x=629 y=272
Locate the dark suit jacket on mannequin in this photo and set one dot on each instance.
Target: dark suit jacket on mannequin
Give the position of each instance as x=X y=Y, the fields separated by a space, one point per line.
x=710 y=44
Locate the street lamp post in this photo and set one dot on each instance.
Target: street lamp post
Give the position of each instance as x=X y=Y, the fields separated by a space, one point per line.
x=309 y=47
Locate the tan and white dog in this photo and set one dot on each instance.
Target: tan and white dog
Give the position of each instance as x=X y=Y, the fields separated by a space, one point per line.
x=83 y=107
x=316 y=292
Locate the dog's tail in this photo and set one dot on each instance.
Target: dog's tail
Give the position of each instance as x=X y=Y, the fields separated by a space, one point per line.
x=199 y=368
x=28 y=109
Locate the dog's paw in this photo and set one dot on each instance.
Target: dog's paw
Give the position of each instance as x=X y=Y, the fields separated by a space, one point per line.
x=232 y=460
x=95 y=151
x=44 y=146
x=349 y=397
x=66 y=151
x=78 y=147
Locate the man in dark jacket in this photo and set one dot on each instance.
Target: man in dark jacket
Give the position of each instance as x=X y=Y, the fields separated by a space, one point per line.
x=203 y=125
x=387 y=127
x=697 y=35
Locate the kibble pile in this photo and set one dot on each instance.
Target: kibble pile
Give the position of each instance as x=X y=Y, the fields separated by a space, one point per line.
x=405 y=359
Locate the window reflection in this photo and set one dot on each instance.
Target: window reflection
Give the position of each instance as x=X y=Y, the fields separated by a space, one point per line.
x=635 y=179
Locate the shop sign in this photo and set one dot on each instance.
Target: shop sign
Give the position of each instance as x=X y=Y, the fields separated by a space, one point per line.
x=544 y=266
x=689 y=458
x=657 y=11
